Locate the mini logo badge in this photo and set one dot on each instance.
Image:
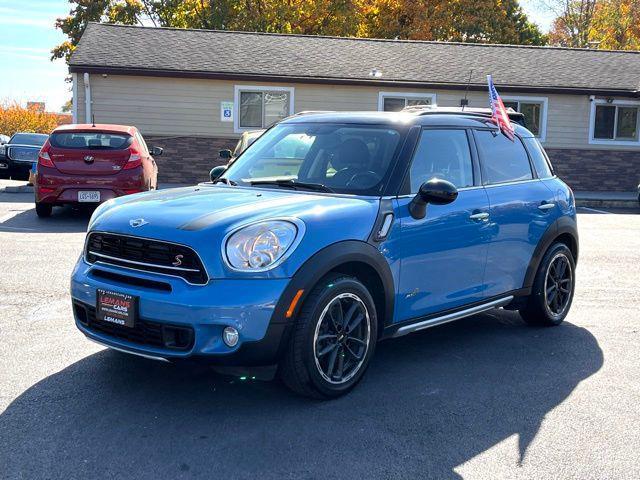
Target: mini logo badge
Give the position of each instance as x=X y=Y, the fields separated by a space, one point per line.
x=178 y=261
x=88 y=159
x=138 y=222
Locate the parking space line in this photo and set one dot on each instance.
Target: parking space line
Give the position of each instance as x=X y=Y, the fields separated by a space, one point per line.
x=3 y=227
x=595 y=210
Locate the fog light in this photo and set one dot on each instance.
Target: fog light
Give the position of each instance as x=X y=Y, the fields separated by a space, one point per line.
x=230 y=336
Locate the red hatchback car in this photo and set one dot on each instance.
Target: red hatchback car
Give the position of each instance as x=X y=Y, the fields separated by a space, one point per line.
x=90 y=164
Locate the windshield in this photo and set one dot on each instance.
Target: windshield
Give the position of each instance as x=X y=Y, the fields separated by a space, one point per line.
x=354 y=159
x=36 y=139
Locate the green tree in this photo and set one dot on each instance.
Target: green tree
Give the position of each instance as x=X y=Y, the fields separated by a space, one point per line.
x=68 y=106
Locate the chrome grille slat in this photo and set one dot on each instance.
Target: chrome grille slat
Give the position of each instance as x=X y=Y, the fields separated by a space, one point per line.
x=147 y=255
x=142 y=264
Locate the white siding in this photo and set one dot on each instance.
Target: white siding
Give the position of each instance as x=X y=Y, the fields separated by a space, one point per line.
x=176 y=106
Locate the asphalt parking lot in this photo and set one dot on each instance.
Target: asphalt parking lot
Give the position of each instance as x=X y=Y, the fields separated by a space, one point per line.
x=486 y=397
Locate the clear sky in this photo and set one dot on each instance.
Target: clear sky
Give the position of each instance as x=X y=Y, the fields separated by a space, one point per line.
x=27 y=35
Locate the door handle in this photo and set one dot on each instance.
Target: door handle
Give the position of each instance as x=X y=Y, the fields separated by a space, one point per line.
x=482 y=216
x=546 y=206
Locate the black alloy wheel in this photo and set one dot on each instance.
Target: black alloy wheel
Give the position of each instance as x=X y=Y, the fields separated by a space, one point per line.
x=342 y=338
x=558 y=284
x=553 y=288
x=333 y=339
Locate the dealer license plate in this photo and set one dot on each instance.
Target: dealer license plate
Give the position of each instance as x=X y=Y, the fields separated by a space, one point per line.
x=117 y=308
x=89 y=196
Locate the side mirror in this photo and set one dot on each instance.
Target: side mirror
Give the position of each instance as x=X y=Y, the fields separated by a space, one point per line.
x=216 y=172
x=156 y=151
x=435 y=191
x=225 y=154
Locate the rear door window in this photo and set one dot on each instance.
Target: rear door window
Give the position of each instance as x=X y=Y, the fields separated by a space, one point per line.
x=539 y=158
x=442 y=154
x=503 y=160
x=91 y=140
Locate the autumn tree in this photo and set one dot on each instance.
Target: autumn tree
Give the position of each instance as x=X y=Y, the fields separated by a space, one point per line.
x=616 y=25
x=487 y=21
x=16 y=118
x=573 y=22
x=608 y=24
x=496 y=21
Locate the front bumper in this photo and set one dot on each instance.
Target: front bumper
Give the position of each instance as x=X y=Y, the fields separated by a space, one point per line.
x=4 y=164
x=14 y=167
x=247 y=305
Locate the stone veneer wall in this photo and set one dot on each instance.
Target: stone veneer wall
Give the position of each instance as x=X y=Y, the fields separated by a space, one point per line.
x=189 y=159
x=597 y=170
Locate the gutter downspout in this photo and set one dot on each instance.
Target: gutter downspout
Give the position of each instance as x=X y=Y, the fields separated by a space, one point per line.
x=74 y=98
x=87 y=99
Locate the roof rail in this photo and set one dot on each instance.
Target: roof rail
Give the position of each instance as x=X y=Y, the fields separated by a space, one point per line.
x=514 y=116
x=309 y=112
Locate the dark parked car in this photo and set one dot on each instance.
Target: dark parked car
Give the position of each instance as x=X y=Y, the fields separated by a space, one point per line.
x=20 y=153
x=246 y=139
x=90 y=164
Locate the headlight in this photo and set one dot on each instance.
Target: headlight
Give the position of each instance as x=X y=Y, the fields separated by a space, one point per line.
x=263 y=245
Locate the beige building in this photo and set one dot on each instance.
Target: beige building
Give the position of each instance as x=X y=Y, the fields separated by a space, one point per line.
x=193 y=92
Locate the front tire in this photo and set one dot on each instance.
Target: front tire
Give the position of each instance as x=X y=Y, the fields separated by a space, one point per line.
x=553 y=288
x=43 y=210
x=333 y=339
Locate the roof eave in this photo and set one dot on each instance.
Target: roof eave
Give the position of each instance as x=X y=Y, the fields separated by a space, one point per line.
x=97 y=69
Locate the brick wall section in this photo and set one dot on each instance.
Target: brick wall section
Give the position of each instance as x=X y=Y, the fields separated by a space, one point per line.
x=597 y=170
x=189 y=159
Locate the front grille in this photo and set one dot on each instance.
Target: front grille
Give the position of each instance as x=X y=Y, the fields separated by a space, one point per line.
x=23 y=154
x=144 y=332
x=147 y=255
x=129 y=280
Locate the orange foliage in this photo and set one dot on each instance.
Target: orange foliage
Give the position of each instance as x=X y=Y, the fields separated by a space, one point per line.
x=15 y=118
x=616 y=25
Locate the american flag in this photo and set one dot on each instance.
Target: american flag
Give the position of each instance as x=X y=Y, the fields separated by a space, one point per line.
x=499 y=114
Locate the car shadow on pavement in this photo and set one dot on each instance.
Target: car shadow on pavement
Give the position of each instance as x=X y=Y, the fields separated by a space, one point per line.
x=62 y=220
x=430 y=402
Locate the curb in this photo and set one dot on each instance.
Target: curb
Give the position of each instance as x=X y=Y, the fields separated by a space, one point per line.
x=16 y=189
x=603 y=203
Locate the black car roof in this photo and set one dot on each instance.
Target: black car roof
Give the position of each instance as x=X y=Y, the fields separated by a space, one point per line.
x=431 y=118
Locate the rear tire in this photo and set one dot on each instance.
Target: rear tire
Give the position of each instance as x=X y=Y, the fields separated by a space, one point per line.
x=553 y=288
x=333 y=339
x=43 y=210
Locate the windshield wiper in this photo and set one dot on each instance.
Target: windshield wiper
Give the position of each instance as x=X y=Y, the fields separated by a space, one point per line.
x=225 y=180
x=315 y=187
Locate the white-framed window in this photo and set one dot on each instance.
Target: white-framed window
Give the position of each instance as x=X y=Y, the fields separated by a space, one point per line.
x=534 y=110
x=614 y=122
x=256 y=106
x=396 y=101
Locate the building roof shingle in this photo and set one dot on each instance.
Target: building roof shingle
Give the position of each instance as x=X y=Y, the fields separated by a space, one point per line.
x=226 y=54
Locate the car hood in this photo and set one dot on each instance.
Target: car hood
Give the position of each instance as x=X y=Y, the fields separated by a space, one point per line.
x=203 y=215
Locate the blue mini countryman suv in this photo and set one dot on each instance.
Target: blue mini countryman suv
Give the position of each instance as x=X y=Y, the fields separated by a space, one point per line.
x=331 y=232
